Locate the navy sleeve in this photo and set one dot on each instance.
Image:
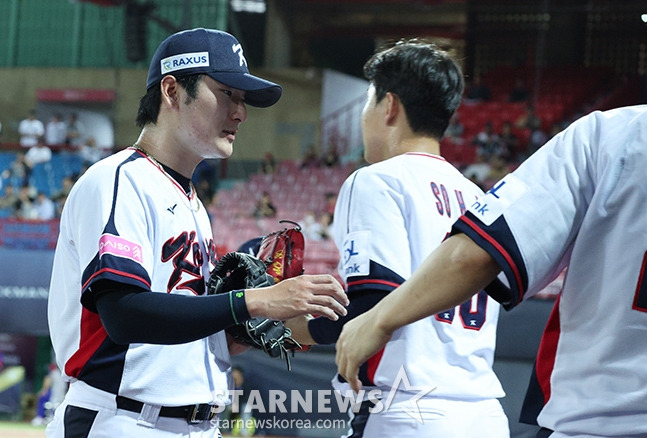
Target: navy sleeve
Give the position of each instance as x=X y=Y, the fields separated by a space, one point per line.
x=140 y=316
x=326 y=331
x=498 y=241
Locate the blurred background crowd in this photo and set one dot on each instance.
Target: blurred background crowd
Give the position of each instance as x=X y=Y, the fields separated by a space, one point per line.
x=74 y=71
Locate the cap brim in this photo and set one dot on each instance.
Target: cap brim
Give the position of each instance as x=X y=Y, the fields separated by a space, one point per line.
x=258 y=92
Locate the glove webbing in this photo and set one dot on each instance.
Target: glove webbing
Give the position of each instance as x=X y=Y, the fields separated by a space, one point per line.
x=252 y=275
x=270 y=345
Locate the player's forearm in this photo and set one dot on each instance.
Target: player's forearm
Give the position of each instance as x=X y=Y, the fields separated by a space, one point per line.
x=310 y=331
x=300 y=331
x=448 y=277
x=156 y=318
x=305 y=294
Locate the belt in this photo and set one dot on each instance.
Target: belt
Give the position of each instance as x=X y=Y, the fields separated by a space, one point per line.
x=193 y=414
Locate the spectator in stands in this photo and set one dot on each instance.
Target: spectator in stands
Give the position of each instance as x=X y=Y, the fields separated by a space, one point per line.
x=519 y=92
x=325 y=222
x=478 y=91
x=330 y=200
x=487 y=142
x=509 y=141
x=478 y=171
x=38 y=154
x=8 y=201
x=537 y=139
x=316 y=227
x=19 y=170
x=310 y=159
x=204 y=190
x=90 y=152
x=59 y=203
x=55 y=131
x=60 y=196
x=45 y=207
x=74 y=132
x=25 y=206
x=268 y=165
x=66 y=186
x=30 y=130
x=529 y=119
x=498 y=169
x=455 y=130
x=311 y=227
x=331 y=157
x=265 y=206
x=205 y=178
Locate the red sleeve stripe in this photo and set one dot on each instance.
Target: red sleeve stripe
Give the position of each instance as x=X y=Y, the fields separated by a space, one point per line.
x=545 y=363
x=92 y=336
x=372 y=281
x=501 y=250
x=372 y=363
x=114 y=271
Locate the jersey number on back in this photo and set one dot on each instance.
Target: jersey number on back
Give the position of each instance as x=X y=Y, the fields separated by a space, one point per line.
x=471 y=313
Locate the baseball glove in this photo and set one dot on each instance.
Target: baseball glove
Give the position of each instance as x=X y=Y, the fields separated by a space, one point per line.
x=282 y=251
x=235 y=271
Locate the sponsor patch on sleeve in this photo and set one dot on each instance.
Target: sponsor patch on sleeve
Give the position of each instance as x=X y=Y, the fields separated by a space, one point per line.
x=115 y=245
x=496 y=201
x=356 y=257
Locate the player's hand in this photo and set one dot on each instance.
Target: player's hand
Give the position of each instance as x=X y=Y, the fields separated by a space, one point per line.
x=306 y=294
x=360 y=339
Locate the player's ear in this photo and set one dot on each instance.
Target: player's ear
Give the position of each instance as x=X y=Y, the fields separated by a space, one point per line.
x=169 y=89
x=392 y=106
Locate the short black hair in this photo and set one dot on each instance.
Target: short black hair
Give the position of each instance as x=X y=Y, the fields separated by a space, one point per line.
x=428 y=82
x=149 y=104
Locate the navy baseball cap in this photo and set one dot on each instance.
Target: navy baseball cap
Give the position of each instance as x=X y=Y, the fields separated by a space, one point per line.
x=216 y=54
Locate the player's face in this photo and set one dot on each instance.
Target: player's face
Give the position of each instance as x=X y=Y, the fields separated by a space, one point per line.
x=372 y=133
x=211 y=120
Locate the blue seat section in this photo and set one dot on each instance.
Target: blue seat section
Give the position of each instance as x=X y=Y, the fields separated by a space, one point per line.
x=45 y=177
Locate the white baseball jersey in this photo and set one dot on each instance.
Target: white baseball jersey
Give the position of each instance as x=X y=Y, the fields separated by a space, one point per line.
x=580 y=201
x=389 y=216
x=127 y=220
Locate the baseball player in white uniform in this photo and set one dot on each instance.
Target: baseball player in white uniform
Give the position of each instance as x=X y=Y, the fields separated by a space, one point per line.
x=388 y=217
x=577 y=202
x=130 y=322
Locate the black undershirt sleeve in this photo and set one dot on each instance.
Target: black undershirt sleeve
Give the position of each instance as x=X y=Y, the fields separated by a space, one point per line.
x=138 y=316
x=325 y=331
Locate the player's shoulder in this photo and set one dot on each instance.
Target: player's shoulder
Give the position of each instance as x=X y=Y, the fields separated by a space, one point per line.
x=615 y=117
x=627 y=112
x=390 y=168
x=369 y=176
x=104 y=170
x=610 y=132
x=109 y=163
x=395 y=171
